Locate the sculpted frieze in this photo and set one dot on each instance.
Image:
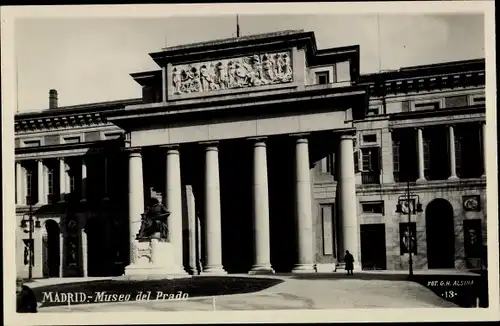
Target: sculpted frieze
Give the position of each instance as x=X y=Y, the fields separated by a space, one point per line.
x=255 y=70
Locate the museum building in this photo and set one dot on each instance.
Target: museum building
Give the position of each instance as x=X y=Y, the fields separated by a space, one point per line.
x=270 y=154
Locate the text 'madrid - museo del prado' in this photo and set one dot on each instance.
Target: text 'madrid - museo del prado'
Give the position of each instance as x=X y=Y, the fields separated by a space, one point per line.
x=258 y=154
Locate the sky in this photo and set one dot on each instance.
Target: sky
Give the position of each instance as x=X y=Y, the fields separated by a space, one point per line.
x=90 y=59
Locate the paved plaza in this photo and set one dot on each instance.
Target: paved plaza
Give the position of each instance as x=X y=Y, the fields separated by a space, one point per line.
x=319 y=291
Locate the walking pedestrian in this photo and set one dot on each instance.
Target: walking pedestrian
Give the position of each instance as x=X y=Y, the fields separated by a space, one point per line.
x=349 y=262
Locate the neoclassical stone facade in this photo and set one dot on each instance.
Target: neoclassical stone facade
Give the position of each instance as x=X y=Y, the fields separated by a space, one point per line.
x=270 y=155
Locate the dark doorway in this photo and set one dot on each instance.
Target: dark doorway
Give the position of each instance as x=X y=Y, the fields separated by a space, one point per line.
x=373 y=250
x=440 y=231
x=53 y=248
x=98 y=258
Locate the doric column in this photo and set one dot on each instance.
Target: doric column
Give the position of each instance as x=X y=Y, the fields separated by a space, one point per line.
x=303 y=211
x=451 y=146
x=62 y=252
x=67 y=176
x=21 y=199
x=84 y=251
x=42 y=196
x=173 y=194
x=62 y=179
x=346 y=199
x=191 y=214
x=213 y=232
x=135 y=195
x=420 y=149
x=262 y=250
x=84 y=180
x=483 y=147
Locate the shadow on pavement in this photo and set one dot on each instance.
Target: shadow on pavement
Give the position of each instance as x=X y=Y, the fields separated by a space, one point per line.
x=343 y=276
x=465 y=291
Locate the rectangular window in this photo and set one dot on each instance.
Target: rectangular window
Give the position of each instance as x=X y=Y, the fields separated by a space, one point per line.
x=478 y=99
x=72 y=183
x=427 y=156
x=455 y=101
x=405 y=106
x=395 y=155
x=29 y=185
x=72 y=140
x=371 y=158
x=112 y=135
x=376 y=207
x=50 y=184
x=458 y=155
x=371 y=165
x=327 y=217
x=322 y=78
x=32 y=143
x=371 y=138
x=366 y=160
x=427 y=106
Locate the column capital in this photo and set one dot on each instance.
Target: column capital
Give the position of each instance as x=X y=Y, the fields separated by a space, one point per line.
x=302 y=135
x=209 y=143
x=39 y=160
x=210 y=146
x=133 y=151
x=258 y=139
x=347 y=137
x=170 y=146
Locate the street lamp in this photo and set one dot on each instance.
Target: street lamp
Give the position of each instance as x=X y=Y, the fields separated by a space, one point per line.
x=27 y=222
x=407 y=198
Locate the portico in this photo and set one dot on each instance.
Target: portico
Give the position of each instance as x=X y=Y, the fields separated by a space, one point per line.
x=241 y=127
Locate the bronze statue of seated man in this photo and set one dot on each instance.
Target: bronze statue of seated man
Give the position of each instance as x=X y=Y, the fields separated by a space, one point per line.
x=154 y=220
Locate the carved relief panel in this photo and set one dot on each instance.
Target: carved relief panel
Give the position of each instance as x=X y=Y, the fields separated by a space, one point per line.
x=256 y=70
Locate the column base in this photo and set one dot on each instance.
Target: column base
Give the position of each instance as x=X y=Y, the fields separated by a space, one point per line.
x=193 y=271
x=421 y=180
x=213 y=270
x=261 y=269
x=453 y=178
x=483 y=176
x=304 y=268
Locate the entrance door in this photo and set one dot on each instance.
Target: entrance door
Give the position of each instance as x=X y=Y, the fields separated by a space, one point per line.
x=440 y=232
x=373 y=250
x=53 y=248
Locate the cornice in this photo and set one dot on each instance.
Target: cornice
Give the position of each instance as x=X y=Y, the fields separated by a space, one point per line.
x=59 y=122
x=402 y=82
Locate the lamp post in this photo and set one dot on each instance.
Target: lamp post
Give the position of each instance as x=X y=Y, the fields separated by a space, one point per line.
x=407 y=198
x=28 y=218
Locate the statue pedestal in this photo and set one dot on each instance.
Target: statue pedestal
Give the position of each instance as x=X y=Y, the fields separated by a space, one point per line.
x=154 y=258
